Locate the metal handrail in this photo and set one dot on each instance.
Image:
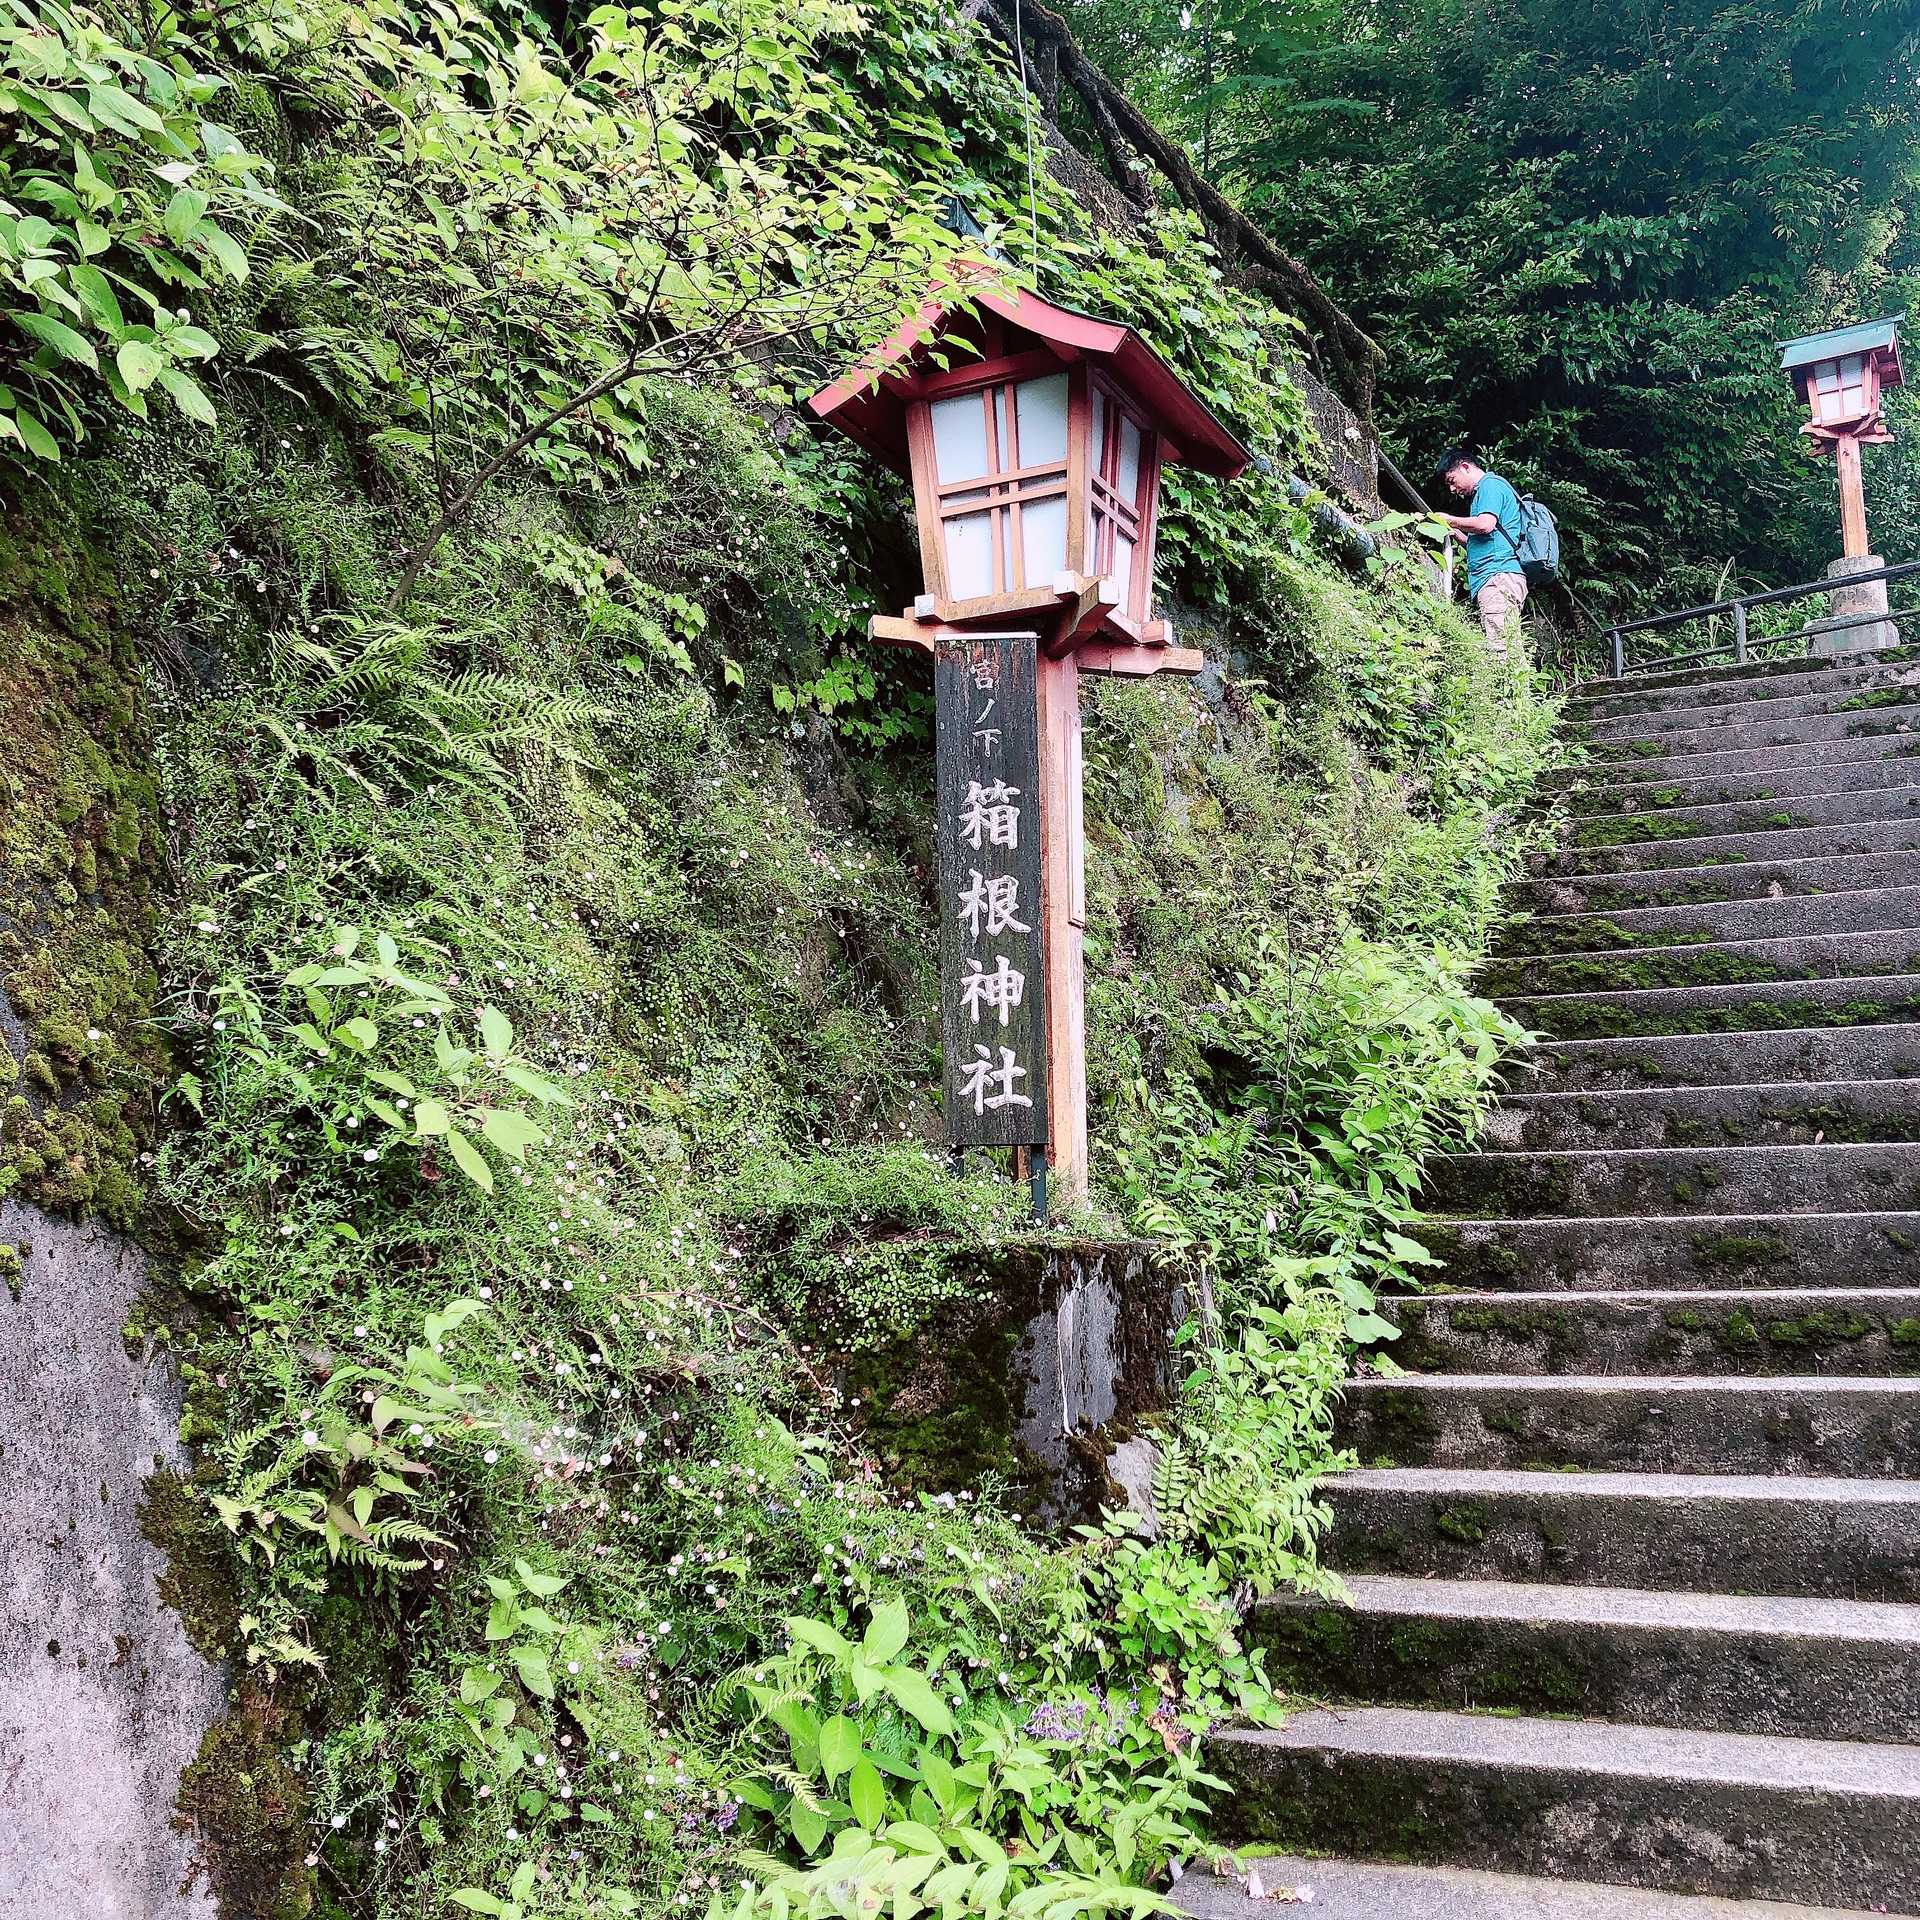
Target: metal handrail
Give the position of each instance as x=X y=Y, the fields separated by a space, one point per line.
x=1773 y=596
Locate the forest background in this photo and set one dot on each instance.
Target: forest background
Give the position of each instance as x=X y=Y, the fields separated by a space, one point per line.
x=1578 y=233
x=464 y=901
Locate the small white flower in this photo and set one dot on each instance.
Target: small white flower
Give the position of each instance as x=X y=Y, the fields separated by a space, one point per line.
x=310 y=1438
x=492 y=1454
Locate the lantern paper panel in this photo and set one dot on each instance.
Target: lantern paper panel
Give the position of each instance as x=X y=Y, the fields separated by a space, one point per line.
x=1000 y=460
x=1843 y=390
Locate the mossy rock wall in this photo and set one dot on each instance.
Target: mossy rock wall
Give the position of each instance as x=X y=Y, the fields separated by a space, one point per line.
x=1033 y=1379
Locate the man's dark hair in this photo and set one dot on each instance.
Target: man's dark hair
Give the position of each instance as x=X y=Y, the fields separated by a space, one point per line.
x=1454 y=457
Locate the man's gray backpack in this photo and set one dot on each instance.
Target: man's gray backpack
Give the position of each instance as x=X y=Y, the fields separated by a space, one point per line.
x=1538 y=549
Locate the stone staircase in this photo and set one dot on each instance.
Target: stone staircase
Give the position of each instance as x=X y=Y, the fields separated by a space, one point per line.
x=1635 y=1548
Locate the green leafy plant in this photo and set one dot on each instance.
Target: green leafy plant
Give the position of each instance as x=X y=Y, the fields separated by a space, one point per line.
x=120 y=192
x=456 y=1096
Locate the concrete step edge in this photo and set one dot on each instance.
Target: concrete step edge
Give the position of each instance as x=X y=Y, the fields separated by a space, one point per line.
x=1383 y=1890
x=1887 y=1622
x=1769 y=1762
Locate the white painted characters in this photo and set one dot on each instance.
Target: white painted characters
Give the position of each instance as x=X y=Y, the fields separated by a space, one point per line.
x=988 y=813
x=998 y=992
x=991 y=1087
x=993 y=901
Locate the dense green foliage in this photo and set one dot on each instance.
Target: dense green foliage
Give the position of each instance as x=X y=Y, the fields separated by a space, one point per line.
x=547 y=975
x=1577 y=232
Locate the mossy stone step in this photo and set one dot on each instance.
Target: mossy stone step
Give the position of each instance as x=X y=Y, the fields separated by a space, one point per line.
x=1837 y=1177
x=1720 y=1059
x=1627 y=749
x=1718 y=924
x=1743 y=816
x=1600 y=731
x=1850 y=1330
x=1772 y=1114
x=1900 y=835
x=1824 y=1669
x=1843 y=676
x=1784 y=757
x=1858 y=1428
x=1738 y=1814
x=1393 y=1890
x=1740 y=1252
x=1784 y=784
x=1702 y=1533
x=1709 y=963
x=1769 y=1005
x=1708 y=885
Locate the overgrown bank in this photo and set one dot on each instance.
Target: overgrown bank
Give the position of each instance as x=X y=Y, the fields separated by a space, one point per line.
x=536 y=1120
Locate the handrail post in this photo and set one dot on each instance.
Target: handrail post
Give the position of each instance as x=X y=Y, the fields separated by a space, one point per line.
x=1739 y=633
x=1619 y=645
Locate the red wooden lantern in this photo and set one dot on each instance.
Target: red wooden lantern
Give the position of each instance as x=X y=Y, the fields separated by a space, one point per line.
x=1035 y=455
x=1840 y=377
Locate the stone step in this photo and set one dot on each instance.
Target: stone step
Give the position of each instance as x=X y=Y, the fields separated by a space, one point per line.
x=1720 y=963
x=1628 y=747
x=1715 y=923
x=1717 y=1059
x=1776 y=1114
x=1682 y=1252
x=1636 y=1182
x=1723 y=672
x=1845 y=677
x=1815 y=1330
x=1890 y=697
x=1738 y=1814
x=1719 y=817
x=1597 y=792
x=1389 y=1890
x=1861 y=1429
x=1782 y=843
x=1704 y=885
x=1694 y=1533
x=1747 y=1005
x=1784 y=757
x=1815 y=1669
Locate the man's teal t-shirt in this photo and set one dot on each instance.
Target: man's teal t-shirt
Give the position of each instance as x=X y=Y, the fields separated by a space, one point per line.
x=1491 y=553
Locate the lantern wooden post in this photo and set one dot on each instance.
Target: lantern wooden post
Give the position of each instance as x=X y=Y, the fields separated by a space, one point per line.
x=1035 y=438
x=1063 y=854
x=1853 y=497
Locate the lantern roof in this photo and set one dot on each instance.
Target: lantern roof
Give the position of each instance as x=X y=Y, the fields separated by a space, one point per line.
x=1881 y=338
x=869 y=403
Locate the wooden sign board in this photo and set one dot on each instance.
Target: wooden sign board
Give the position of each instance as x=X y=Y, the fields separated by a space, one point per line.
x=993 y=990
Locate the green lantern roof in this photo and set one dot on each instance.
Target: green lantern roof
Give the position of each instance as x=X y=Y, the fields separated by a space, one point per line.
x=1869 y=336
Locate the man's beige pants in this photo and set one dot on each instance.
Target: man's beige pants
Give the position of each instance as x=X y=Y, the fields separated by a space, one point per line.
x=1500 y=601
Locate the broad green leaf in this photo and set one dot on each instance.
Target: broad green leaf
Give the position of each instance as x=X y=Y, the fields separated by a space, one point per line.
x=496 y=1033
x=839 y=1746
x=431 y=1116
x=184 y=211
x=60 y=337
x=809 y=1827
x=531 y=1665
x=188 y=395
x=37 y=440
x=816 y=1633
x=887 y=1631
x=867 y=1794
x=541 y=1089
x=466 y=1156
x=121 y=111
x=513 y=1133
x=477 y=1902
x=915 y=1694
x=140 y=367
x=546 y=1585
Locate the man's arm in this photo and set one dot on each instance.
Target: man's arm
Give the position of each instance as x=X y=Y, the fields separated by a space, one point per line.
x=1470 y=522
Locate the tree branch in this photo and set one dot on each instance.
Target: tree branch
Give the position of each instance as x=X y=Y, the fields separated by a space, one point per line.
x=1126 y=132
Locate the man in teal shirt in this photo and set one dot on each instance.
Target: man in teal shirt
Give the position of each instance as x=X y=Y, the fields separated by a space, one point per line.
x=1493 y=528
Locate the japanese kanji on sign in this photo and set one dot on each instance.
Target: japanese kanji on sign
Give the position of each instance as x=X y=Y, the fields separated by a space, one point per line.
x=992 y=951
x=1035 y=438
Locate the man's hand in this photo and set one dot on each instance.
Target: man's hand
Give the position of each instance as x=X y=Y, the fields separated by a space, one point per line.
x=1469 y=522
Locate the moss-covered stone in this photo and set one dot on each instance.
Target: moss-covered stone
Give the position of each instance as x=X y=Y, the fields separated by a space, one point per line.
x=80 y=849
x=247 y=1809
